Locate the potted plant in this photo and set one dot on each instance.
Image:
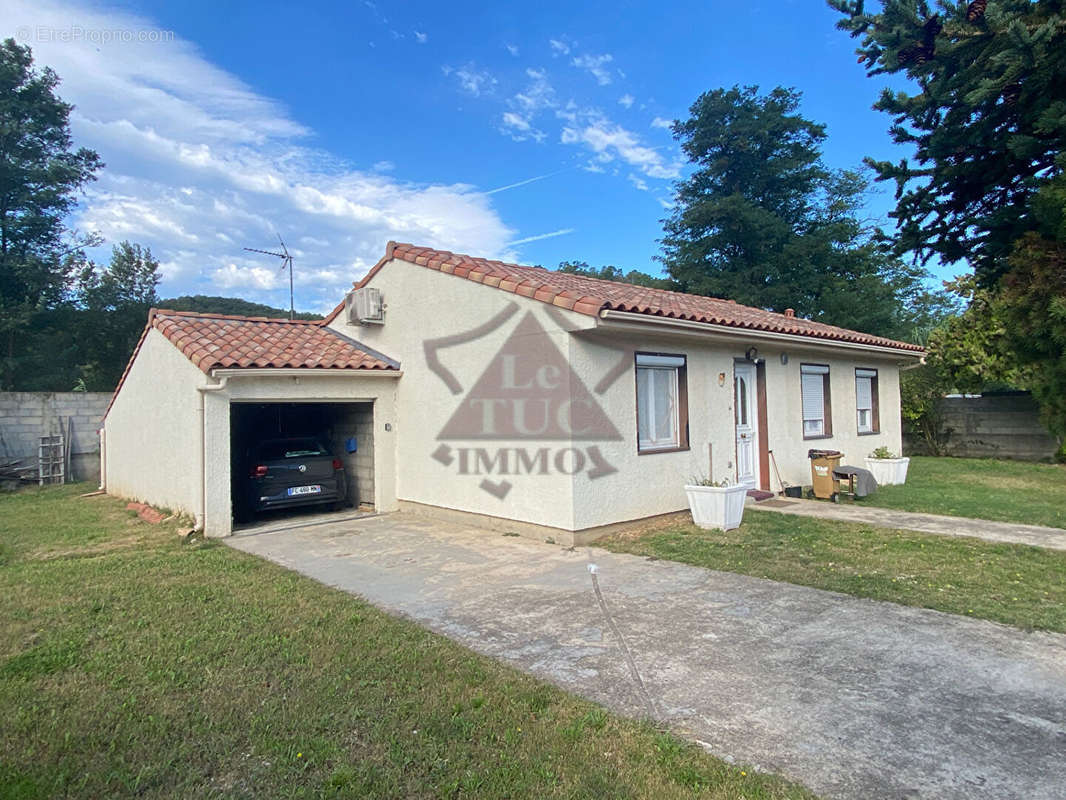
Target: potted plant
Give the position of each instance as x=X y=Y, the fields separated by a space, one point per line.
x=887 y=468
x=716 y=504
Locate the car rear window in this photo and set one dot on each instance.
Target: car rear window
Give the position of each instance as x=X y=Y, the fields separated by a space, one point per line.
x=291 y=448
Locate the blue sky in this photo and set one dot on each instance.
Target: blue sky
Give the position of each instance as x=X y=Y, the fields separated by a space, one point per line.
x=534 y=132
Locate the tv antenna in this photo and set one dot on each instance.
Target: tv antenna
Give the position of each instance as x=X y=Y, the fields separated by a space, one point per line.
x=286 y=263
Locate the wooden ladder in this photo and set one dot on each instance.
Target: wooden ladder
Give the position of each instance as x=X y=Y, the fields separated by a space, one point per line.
x=51 y=460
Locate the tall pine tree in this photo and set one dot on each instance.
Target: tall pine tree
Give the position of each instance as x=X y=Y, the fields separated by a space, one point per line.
x=763 y=221
x=986 y=118
x=987 y=121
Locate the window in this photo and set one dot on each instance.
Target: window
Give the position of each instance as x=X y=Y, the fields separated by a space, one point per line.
x=866 y=401
x=662 y=403
x=817 y=419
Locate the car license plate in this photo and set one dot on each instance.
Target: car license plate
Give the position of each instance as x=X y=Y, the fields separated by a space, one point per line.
x=296 y=490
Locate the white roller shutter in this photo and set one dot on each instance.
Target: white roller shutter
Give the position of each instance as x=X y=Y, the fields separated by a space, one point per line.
x=812 y=385
x=864 y=392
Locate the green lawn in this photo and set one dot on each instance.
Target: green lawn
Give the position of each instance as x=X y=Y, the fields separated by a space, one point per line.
x=1014 y=584
x=983 y=488
x=132 y=663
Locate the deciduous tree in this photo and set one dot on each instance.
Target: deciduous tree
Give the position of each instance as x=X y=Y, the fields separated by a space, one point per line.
x=612 y=273
x=40 y=176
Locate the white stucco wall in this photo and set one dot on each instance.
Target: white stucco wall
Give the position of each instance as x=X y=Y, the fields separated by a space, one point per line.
x=151 y=434
x=784 y=410
x=424 y=304
x=652 y=483
x=350 y=387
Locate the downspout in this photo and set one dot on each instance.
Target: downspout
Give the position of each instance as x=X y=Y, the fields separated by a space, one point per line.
x=201 y=502
x=103 y=460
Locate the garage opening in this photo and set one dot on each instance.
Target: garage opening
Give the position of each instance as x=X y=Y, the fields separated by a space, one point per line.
x=291 y=459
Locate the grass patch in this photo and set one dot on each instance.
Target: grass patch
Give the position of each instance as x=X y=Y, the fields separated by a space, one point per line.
x=159 y=668
x=982 y=488
x=1013 y=584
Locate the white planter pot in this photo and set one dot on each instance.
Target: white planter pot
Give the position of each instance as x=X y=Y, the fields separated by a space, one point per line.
x=719 y=507
x=888 y=471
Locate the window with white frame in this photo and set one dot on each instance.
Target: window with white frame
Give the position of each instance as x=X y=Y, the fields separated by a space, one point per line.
x=662 y=413
x=814 y=384
x=866 y=400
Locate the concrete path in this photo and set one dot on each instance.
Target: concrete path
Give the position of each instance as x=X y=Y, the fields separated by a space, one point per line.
x=1014 y=532
x=853 y=698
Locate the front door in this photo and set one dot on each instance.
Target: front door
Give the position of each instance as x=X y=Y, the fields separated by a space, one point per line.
x=747 y=422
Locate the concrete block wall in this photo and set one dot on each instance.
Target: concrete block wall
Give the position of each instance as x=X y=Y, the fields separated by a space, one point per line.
x=993 y=426
x=27 y=416
x=356 y=419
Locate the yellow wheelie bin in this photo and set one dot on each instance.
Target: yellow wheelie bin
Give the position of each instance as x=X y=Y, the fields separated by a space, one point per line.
x=823 y=462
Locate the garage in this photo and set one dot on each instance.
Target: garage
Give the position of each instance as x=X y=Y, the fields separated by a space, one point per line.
x=262 y=438
x=203 y=392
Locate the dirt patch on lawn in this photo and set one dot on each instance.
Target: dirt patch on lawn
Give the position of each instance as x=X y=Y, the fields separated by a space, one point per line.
x=635 y=530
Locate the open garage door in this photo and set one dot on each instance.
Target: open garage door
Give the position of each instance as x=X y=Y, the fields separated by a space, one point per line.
x=293 y=459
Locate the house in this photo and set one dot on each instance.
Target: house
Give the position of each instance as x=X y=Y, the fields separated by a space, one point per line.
x=511 y=397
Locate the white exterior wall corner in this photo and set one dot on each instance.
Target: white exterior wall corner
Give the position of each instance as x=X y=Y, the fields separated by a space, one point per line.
x=354 y=388
x=151 y=434
x=423 y=304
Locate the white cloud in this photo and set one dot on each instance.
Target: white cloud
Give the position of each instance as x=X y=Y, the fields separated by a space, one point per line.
x=512 y=49
x=471 y=79
x=596 y=66
x=661 y=122
x=199 y=165
x=233 y=277
x=538 y=94
x=520 y=128
x=609 y=141
x=421 y=38
x=559 y=47
x=568 y=112
x=627 y=100
x=383 y=166
x=637 y=181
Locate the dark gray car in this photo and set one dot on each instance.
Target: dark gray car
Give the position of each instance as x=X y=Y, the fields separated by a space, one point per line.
x=285 y=473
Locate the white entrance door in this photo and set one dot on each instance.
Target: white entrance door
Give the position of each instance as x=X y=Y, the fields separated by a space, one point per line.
x=747 y=421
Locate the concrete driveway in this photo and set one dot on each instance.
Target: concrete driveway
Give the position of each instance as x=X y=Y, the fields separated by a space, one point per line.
x=853 y=698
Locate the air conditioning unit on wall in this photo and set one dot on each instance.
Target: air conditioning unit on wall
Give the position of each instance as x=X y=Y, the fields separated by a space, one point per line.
x=365 y=307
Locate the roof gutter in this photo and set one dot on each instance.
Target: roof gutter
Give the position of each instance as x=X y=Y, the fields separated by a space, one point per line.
x=629 y=320
x=304 y=372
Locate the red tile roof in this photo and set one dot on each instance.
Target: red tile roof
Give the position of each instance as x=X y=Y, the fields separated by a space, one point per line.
x=213 y=341
x=592 y=295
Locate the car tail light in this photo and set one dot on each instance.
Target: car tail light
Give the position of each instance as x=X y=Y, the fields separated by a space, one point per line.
x=338 y=464
x=259 y=471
